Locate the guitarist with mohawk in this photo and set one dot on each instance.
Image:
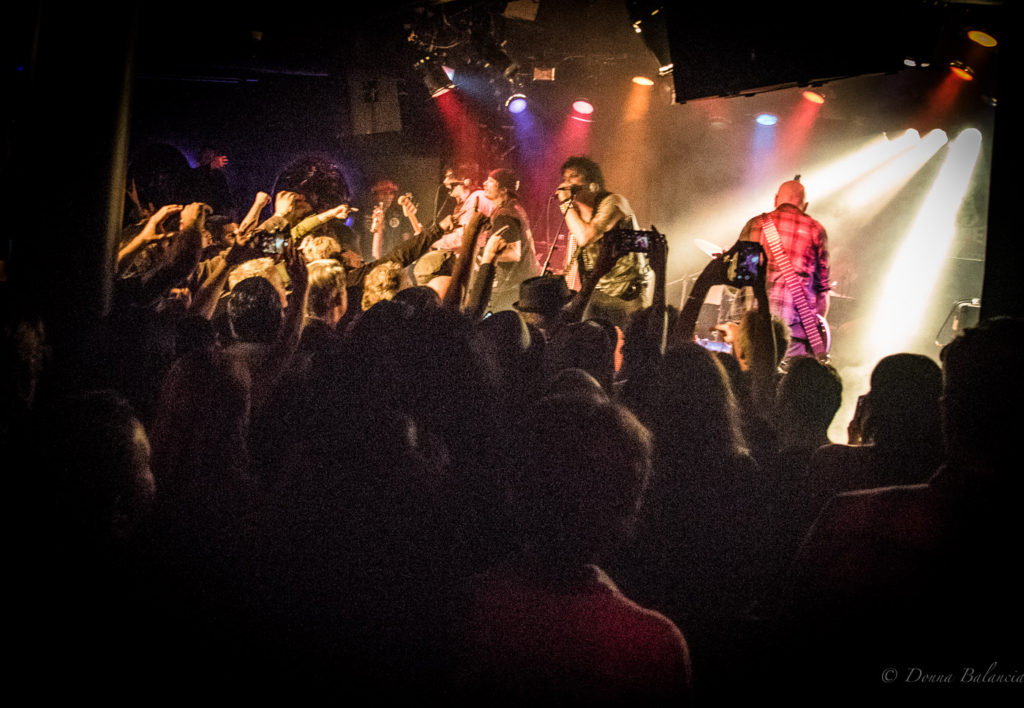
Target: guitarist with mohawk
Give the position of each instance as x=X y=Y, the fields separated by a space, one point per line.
x=798 y=270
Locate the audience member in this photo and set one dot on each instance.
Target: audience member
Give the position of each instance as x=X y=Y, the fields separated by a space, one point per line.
x=901 y=437
x=548 y=626
x=918 y=578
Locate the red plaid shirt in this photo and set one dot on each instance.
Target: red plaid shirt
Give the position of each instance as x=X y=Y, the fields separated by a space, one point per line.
x=805 y=242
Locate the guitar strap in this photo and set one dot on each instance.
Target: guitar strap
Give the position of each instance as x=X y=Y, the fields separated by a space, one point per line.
x=808 y=317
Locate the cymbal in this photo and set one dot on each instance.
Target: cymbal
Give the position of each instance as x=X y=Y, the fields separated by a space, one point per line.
x=711 y=249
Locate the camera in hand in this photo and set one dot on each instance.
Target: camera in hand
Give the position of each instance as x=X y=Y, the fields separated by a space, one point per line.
x=715 y=345
x=633 y=241
x=745 y=261
x=269 y=243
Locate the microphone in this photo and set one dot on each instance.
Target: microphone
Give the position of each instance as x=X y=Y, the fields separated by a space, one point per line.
x=571 y=188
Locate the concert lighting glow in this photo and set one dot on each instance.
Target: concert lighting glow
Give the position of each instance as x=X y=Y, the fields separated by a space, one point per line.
x=881 y=185
x=722 y=218
x=767 y=119
x=762 y=153
x=643 y=81
x=638 y=103
x=982 y=38
x=798 y=126
x=961 y=70
x=583 y=107
x=916 y=267
x=825 y=180
x=461 y=125
x=516 y=103
x=634 y=129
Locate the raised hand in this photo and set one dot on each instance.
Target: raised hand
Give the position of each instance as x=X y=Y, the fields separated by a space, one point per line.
x=295 y=266
x=339 y=212
x=290 y=205
x=408 y=207
x=194 y=215
x=154 y=228
x=261 y=200
x=493 y=248
x=377 y=220
x=657 y=251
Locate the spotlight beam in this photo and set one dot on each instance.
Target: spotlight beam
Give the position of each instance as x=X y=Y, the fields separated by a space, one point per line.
x=877 y=188
x=918 y=263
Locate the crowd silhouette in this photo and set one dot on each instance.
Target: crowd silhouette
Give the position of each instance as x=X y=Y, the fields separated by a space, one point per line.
x=295 y=482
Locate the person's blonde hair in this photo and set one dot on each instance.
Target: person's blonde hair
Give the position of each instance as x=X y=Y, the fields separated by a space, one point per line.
x=320 y=247
x=326 y=286
x=381 y=283
x=256 y=266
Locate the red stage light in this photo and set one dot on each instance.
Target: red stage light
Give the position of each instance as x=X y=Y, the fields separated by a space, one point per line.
x=962 y=71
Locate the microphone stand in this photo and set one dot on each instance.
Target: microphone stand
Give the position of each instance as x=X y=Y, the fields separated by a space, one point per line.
x=438 y=205
x=554 y=241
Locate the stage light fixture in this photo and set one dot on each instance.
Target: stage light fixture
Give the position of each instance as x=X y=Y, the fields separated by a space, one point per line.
x=666 y=69
x=814 y=97
x=961 y=70
x=643 y=81
x=983 y=38
x=516 y=103
x=767 y=119
x=583 y=106
x=434 y=76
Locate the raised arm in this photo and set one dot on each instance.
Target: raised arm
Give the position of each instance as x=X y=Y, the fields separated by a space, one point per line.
x=464 y=265
x=245 y=229
x=409 y=211
x=310 y=223
x=685 y=325
x=289 y=333
x=480 y=292
x=606 y=259
x=762 y=340
x=151 y=232
x=204 y=302
x=377 y=229
x=656 y=331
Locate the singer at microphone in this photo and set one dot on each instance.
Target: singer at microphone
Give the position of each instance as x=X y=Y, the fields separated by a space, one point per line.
x=572 y=189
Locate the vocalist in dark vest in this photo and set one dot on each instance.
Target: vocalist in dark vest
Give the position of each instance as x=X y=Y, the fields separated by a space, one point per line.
x=591 y=211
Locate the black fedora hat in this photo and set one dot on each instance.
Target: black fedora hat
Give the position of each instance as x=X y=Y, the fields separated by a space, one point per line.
x=542 y=293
